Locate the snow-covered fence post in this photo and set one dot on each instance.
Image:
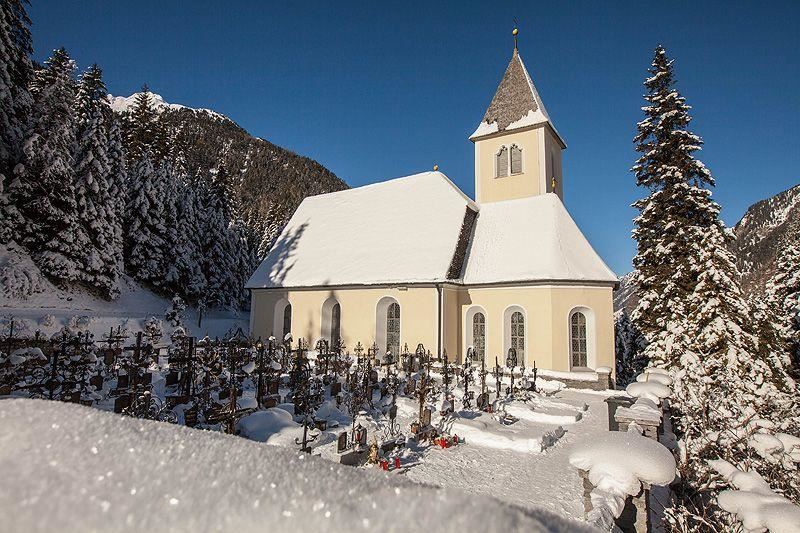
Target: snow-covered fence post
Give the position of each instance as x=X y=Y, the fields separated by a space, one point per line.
x=646 y=412
x=617 y=471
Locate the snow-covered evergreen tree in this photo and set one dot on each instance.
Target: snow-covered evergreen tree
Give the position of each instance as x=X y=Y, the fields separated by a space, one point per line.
x=219 y=260
x=188 y=257
x=119 y=194
x=43 y=191
x=783 y=302
x=142 y=127
x=15 y=76
x=144 y=243
x=93 y=184
x=628 y=344
x=691 y=309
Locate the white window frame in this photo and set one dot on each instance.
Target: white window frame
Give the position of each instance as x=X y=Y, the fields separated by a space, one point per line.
x=468 y=332
x=381 y=323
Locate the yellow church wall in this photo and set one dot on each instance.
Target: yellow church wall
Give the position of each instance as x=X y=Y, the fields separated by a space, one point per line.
x=547 y=312
x=546 y=308
x=359 y=310
x=527 y=183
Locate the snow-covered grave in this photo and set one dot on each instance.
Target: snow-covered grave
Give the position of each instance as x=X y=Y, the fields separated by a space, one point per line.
x=76 y=467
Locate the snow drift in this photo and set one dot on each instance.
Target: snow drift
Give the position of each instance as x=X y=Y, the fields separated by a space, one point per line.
x=70 y=466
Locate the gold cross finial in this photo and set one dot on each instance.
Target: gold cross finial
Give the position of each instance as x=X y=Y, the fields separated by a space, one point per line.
x=435 y=168
x=553 y=184
x=515 y=32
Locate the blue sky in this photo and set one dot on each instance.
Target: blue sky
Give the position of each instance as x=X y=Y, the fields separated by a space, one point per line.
x=376 y=90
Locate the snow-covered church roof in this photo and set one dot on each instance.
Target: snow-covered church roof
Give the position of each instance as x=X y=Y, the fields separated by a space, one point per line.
x=403 y=230
x=531 y=239
x=423 y=229
x=516 y=103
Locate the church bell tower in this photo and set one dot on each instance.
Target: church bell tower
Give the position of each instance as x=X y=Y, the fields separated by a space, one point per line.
x=517 y=148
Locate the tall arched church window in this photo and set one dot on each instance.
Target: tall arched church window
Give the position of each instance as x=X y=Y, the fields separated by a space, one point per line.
x=516 y=159
x=518 y=334
x=393 y=328
x=479 y=334
x=578 y=340
x=336 y=324
x=287 y=319
x=502 y=162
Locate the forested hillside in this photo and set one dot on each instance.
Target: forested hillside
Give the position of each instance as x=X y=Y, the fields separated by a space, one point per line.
x=92 y=187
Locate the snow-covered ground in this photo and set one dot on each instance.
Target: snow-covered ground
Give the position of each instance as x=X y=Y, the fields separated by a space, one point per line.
x=83 y=469
x=37 y=304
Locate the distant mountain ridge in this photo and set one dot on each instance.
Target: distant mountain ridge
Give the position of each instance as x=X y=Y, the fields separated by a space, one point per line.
x=759 y=235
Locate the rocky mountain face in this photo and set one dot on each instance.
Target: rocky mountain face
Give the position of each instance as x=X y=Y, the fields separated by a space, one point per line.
x=759 y=235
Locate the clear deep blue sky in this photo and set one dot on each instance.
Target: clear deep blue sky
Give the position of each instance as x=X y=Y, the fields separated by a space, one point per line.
x=376 y=90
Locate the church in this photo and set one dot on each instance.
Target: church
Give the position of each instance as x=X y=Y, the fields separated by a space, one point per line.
x=415 y=260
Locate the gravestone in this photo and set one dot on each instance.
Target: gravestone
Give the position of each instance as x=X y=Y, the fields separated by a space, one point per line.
x=108 y=357
x=122 y=402
x=123 y=381
x=96 y=381
x=336 y=388
x=426 y=417
x=341 y=442
x=190 y=417
x=172 y=378
x=483 y=401
x=373 y=376
x=273 y=387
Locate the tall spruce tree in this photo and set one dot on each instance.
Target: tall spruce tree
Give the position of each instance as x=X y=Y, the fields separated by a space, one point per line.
x=15 y=76
x=691 y=308
x=93 y=184
x=43 y=192
x=628 y=345
x=219 y=261
x=782 y=303
x=144 y=242
x=119 y=194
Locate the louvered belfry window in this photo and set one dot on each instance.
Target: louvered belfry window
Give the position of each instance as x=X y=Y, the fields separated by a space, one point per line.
x=393 y=329
x=518 y=334
x=479 y=334
x=516 y=159
x=502 y=162
x=578 y=335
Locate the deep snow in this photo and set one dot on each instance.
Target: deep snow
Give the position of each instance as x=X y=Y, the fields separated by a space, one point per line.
x=83 y=469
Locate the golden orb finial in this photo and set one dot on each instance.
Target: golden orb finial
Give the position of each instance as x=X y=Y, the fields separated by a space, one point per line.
x=515 y=32
x=435 y=168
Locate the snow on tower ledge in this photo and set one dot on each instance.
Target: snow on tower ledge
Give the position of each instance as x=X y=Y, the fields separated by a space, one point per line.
x=516 y=104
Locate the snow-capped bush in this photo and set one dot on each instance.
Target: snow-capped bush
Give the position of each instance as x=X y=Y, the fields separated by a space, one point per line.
x=47 y=321
x=754 y=503
x=19 y=276
x=153 y=330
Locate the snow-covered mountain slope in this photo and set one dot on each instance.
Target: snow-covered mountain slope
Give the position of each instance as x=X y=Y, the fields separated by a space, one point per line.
x=34 y=304
x=759 y=236
x=91 y=470
x=123 y=104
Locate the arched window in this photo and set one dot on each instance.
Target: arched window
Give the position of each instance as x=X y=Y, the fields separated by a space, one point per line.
x=393 y=328
x=502 y=162
x=336 y=324
x=518 y=334
x=479 y=335
x=287 y=319
x=578 y=346
x=516 y=159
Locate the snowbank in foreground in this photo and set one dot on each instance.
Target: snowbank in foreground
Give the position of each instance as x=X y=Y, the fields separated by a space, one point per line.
x=70 y=466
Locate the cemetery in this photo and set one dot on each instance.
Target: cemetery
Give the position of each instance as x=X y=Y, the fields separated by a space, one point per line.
x=491 y=428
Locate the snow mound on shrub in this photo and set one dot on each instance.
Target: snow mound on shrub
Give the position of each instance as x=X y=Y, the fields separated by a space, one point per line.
x=754 y=504
x=654 y=377
x=273 y=426
x=89 y=470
